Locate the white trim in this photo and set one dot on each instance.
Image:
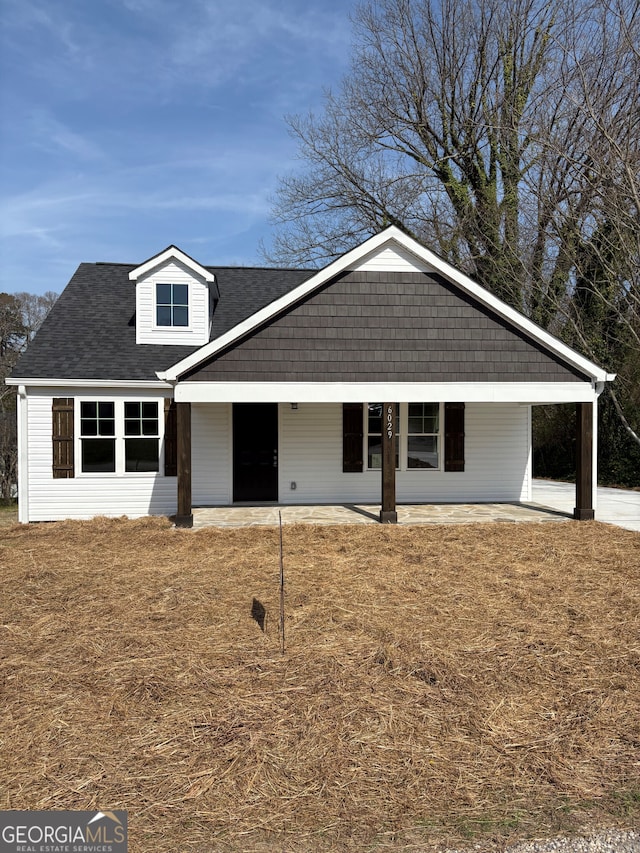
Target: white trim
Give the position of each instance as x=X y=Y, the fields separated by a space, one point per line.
x=399 y=392
x=154 y=324
x=119 y=436
x=163 y=257
x=23 y=455
x=86 y=383
x=229 y=451
x=529 y=469
x=351 y=259
x=594 y=449
x=403 y=440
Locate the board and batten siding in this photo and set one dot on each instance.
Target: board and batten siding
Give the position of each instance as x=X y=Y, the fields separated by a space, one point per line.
x=197 y=333
x=87 y=495
x=497 y=460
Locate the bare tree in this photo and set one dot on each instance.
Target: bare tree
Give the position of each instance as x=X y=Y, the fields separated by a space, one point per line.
x=505 y=135
x=8 y=455
x=601 y=309
x=34 y=307
x=21 y=315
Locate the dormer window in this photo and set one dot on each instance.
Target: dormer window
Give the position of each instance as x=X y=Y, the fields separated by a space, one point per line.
x=173 y=295
x=172 y=305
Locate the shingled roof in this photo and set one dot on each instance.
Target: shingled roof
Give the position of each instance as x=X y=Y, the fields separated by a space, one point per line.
x=90 y=332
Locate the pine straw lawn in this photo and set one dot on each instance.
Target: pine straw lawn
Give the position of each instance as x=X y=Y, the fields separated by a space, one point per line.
x=439 y=683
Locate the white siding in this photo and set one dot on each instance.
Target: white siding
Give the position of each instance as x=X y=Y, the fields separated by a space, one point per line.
x=87 y=495
x=211 y=454
x=173 y=272
x=497 y=460
x=497 y=463
x=392 y=259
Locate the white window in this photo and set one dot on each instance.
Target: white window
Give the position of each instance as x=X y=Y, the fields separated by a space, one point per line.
x=119 y=436
x=142 y=440
x=374 y=436
x=423 y=433
x=97 y=435
x=172 y=305
x=418 y=438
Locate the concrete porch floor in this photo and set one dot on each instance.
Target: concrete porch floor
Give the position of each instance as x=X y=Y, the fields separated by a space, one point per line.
x=241 y=516
x=552 y=501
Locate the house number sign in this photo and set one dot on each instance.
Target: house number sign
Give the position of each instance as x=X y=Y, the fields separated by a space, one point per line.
x=389 y=422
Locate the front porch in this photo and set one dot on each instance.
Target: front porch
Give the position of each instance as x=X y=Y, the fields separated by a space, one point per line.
x=319 y=460
x=248 y=516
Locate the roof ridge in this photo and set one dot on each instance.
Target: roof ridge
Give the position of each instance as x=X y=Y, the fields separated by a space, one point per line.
x=211 y=266
x=265 y=269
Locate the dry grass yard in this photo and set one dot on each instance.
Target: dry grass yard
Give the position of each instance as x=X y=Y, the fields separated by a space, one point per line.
x=441 y=685
x=8 y=514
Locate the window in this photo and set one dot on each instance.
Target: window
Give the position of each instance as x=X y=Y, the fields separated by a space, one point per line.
x=422 y=435
x=141 y=442
x=374 y=436
x=417 y=436
x=172 y=305
x=97 y=431
x=119 y=436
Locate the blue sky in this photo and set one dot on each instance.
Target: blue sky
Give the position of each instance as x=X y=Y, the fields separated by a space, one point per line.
x=128 y=125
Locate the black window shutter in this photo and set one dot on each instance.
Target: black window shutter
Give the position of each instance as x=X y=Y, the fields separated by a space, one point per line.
x=62 y=436
x=170 y=439
x=352 y=437
x=454 y=436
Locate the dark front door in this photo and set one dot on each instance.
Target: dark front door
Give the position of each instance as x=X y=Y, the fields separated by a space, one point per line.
x=255 y=452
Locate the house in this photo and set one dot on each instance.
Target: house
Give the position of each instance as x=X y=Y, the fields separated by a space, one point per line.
x=388 y=375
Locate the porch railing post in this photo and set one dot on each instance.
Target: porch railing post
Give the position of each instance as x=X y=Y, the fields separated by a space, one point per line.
x=388 y=514
x=184 y=517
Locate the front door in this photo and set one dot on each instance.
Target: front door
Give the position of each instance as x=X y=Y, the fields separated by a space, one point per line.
x=255 y=452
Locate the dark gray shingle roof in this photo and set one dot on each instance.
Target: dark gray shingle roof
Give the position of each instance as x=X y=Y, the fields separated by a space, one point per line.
x=90 y=332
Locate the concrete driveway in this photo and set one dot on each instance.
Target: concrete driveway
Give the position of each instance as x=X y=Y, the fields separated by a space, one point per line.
x=615 y=506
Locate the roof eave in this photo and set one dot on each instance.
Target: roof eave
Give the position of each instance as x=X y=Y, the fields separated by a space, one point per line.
x=86 y=383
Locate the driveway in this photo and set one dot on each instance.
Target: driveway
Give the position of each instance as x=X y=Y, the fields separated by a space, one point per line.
x=615 y=506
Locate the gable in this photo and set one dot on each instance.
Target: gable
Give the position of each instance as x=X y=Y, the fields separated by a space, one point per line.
x=390 y=251
x=172 y=273
x=377 y=326
x=391 y=257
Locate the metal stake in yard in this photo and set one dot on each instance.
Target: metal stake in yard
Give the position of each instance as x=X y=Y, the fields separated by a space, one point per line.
x=281 y=585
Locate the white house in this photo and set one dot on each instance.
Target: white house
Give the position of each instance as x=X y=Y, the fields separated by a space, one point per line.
x=388 y=375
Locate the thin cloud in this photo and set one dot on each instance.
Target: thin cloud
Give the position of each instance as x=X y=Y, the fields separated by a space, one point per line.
x=255 y=204
x=29 y=14
x=50 y=134
x=51 y=213
x=136 y=123
x=160 y=48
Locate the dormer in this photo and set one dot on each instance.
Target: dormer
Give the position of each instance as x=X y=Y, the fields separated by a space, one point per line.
x=172 y=300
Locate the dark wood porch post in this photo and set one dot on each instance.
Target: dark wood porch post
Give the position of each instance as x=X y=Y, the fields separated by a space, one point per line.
x=584 y=462
x=184 y=517
x=388 y=514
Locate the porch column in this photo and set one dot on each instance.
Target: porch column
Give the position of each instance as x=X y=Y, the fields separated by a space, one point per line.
x=388 y=514
x=584 y=510
x=184 y=517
